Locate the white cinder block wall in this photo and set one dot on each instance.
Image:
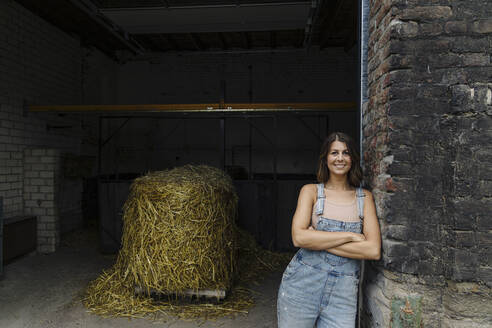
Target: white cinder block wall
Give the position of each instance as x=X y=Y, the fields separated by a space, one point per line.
x=39 y=64
x=41 y=175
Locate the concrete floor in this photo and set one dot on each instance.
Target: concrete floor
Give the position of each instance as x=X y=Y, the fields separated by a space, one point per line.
x=45 y=291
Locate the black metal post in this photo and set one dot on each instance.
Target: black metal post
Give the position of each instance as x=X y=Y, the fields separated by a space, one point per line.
x=99 y=147
x=275 y=182
x=222 y=144
x=250 y=152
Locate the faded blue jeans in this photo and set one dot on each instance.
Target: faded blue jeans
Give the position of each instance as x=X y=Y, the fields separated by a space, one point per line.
x=319 y=288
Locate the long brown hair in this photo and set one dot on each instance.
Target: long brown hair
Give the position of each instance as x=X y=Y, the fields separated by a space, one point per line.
x=354 y=175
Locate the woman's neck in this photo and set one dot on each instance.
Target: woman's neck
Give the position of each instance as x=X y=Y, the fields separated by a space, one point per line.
x=337 y=183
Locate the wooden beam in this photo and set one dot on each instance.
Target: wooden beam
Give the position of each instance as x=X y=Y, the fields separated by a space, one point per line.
x=345 y=106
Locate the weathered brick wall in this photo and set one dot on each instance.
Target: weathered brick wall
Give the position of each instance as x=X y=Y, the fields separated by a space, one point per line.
x=39 y=64
x=427 y=130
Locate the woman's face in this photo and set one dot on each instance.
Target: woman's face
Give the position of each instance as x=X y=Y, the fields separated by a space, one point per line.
x=338 y=160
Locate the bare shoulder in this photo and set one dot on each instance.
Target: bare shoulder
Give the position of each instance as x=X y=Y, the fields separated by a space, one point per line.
x=308 y=190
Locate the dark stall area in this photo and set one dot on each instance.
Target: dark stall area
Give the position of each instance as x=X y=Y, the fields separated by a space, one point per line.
x=103 y=99
x=269 y=153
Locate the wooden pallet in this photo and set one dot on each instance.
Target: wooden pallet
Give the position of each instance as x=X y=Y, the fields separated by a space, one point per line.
x=218 y=294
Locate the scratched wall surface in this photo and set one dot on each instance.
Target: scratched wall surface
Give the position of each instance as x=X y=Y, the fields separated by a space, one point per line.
x=427 y=129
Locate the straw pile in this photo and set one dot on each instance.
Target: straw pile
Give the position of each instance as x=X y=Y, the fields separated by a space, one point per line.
x=179 y=234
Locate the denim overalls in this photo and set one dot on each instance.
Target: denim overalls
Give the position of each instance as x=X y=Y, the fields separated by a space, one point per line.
x=320 y=288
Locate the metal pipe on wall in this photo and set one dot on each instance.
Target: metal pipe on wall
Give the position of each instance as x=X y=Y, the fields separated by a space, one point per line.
x=363 y=32
x=363 y=35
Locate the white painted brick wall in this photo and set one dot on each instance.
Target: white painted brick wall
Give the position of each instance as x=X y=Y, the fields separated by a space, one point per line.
x=39 y=64
x=43 y=204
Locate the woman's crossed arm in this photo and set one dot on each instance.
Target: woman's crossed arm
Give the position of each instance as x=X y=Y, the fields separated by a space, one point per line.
x=303 y=236
x=370 y=248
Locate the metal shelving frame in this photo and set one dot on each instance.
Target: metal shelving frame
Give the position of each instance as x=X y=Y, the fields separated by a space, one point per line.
x=222 y=116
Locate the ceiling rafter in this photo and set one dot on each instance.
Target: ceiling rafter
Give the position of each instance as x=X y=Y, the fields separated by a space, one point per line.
x=211 y=18
x=84 y=19
x=330 y=23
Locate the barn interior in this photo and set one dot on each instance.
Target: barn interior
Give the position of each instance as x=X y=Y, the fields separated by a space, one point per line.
x=98 y=92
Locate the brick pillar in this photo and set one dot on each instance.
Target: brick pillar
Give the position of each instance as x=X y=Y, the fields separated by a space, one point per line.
x=427 y=153
x=41 y=179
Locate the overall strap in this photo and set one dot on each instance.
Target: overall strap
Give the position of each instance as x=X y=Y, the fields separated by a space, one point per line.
x=320 y=200
x=360 y=202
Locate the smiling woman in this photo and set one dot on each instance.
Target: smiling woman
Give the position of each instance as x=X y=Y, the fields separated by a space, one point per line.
x=335 y=225
x=339 y=161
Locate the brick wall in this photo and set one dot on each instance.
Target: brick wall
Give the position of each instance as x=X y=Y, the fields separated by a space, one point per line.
x=41 y=183
x=427 y=131
x=39 y=64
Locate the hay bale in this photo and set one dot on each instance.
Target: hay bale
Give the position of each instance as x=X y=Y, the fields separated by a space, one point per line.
x=179 y=234
x=178 y=230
